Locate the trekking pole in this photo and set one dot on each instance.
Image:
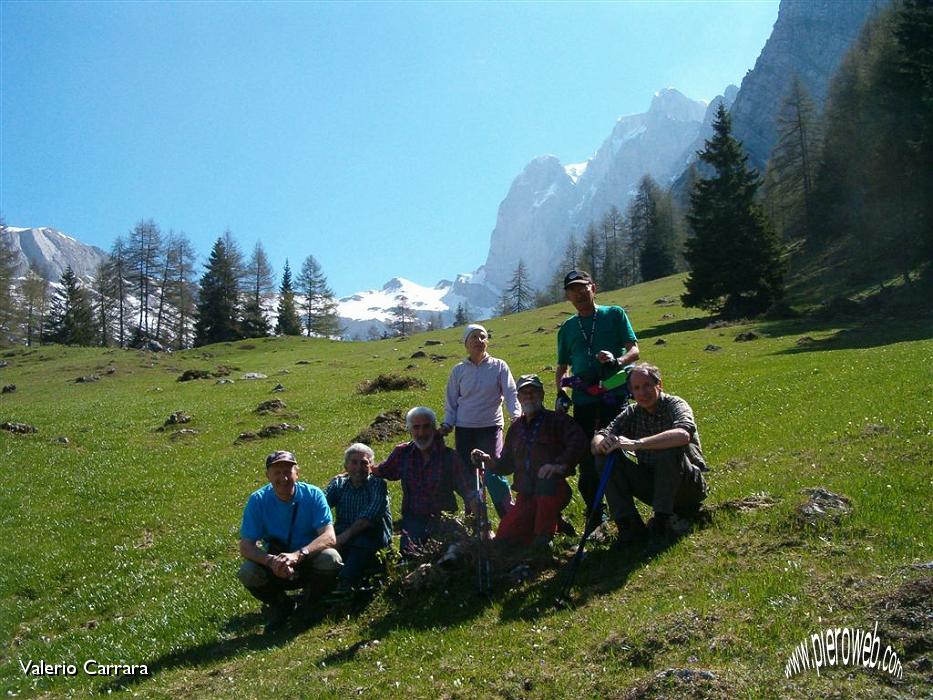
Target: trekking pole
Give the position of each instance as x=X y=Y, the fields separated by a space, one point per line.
x=483 y=568
x=588 y=528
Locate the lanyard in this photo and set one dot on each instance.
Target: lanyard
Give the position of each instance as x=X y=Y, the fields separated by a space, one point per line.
x=588 y=339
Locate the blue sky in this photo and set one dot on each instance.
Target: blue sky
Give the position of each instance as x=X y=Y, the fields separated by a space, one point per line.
x=379 y=137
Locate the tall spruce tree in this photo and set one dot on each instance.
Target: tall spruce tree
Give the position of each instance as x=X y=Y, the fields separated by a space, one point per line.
x=735 y=261
x=218 y=305
x=70 y=320
x=286 y=320
x=318 y=305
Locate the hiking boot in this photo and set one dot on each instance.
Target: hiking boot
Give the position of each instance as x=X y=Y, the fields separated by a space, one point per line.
x=565 y=527
x=276 y=616
x=660 y=525
x=631 y=530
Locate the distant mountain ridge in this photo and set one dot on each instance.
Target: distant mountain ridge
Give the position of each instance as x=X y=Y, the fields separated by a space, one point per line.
x=50 y=252
x=548 y=202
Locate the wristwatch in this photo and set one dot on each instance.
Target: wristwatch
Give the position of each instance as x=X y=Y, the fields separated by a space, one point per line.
x=304 y=553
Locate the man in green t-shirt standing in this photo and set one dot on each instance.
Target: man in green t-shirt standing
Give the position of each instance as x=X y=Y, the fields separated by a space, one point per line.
x=594 y=344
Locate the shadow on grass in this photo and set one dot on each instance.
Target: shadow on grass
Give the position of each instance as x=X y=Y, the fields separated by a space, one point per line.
x=214 y=651
x=853 y=336
x=601 y=570
x=681 y=326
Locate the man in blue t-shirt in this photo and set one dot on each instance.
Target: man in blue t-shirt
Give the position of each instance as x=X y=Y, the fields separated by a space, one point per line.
x=287 y=538
x=593 y=344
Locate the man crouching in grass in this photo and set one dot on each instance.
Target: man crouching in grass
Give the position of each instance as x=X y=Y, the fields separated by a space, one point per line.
x=292 y=520
x=364 y=521
x=661 y=430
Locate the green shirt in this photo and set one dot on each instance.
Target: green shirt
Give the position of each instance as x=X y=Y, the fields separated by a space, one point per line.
x=580 y=339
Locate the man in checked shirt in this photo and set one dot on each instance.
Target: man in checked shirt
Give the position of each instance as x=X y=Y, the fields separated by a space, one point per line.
x=661 y=430
x=364 y=520
x=430 y=473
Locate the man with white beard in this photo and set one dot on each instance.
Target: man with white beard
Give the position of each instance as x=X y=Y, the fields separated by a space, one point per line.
x=430 y=473
x=541 y=449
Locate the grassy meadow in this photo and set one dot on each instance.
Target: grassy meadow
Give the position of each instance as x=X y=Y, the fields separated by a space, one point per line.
x=121 y=545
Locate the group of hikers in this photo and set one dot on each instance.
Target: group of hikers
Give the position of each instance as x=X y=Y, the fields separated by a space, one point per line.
x=289 y=538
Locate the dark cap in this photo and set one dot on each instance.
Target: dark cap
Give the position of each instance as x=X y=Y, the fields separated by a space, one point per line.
x=280 y=456
x=577 y=277
x=529 y=380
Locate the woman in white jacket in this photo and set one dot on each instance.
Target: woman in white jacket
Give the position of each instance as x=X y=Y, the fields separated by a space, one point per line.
x=473 y=408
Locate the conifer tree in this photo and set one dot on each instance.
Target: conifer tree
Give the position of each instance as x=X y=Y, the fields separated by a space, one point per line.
x=318 y=305
x=461 y=316
x=119 y=262
x=734 y=257
x=794 y=160
x=218 y=299
x=70 y=320
x=34 y=293
x=403 y=316
x=519 y=295
x=7 y=270
x=260 y=283
x=656 y=258
x=287 y=321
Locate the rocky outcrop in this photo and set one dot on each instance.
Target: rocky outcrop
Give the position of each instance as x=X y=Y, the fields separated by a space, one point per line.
x=809 y=40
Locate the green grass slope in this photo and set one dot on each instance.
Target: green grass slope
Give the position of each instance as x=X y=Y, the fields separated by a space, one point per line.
x=120 y=546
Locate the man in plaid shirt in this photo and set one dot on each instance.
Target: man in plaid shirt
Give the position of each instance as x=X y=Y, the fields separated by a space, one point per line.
x=430 y=472
x=660 y=429
x=364 y=520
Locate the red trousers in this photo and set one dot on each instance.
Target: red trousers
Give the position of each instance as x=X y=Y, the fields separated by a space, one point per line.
x=533 y=516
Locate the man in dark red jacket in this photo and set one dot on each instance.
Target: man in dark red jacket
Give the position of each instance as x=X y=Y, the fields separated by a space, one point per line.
x=542 y=449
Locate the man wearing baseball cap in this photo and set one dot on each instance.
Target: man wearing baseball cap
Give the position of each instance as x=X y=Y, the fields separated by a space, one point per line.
x=287 y=538
x=594 y=343
x=542 y=448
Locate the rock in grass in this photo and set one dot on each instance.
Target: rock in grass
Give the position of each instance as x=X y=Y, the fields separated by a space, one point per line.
x=271 y=406
x=87 y=379
x=805 y=340
x=660 y=341
x=279 y=429
x=711 y=348
x=418 y=353
x=746 y=336
x=8 y=389
x=184 y=432
x=253 y=375
x=62 y=440
x=303 y=362
x=18 y=427
x=224 y=380
x=822 y=505
x=278 y=388
x=664 y=300
x=667 y=317
x=192 y=374
x=246 y=437
x=4 y=363
x=433 y=342
x=177 y=418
